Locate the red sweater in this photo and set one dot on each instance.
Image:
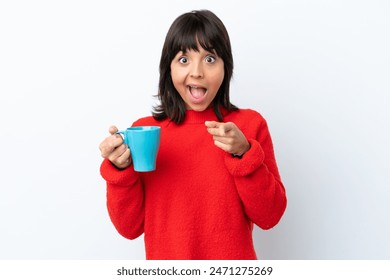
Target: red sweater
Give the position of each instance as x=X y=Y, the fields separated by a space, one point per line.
x=200 y=202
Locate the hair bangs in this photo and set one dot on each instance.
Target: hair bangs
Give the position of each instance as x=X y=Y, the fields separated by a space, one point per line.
x=194 y=33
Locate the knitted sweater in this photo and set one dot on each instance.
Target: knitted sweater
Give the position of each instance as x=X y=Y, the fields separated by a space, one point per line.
x=200 y=202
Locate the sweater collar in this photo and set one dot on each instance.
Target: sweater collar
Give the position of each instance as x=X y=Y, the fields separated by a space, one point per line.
x=195 y=117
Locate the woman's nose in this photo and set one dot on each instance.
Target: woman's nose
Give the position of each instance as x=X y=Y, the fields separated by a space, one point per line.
x=196 y=70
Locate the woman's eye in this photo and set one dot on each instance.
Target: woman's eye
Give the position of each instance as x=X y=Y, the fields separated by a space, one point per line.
x=183 y=60
x=210 y=59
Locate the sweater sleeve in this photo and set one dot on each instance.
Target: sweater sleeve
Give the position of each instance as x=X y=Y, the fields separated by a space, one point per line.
x=125 y=199
x=258 y=181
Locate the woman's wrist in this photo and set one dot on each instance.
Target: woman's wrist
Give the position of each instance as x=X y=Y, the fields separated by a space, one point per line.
x=240 y=155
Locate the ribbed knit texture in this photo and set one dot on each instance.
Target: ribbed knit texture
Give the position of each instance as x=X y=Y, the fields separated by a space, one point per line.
x=200 y=202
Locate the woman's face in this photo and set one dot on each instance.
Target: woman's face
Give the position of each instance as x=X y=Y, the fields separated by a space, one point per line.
x=197 y=77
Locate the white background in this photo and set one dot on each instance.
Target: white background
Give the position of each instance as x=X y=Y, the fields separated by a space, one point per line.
x=318 y=71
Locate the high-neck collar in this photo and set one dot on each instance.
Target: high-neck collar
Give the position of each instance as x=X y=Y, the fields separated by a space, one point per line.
x=195 y=117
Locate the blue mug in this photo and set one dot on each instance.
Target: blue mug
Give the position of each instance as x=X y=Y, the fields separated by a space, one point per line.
x=144 y=142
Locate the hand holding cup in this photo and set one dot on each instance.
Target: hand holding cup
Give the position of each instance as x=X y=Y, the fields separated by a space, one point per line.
x=115 y=150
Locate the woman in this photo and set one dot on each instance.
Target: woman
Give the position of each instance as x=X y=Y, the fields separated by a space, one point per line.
x=216 y=171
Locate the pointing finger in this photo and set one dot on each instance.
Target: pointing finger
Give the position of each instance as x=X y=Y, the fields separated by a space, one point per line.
x=212 y=124
x=219 y=128
x=212 y=127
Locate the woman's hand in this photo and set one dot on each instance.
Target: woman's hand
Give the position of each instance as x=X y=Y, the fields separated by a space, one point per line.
x=228 y=137
x=113 y=149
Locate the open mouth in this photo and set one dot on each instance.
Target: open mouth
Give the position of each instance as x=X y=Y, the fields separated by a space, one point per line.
x=197 y=92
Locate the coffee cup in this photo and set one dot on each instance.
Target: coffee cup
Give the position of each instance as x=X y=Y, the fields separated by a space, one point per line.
x=144 y=142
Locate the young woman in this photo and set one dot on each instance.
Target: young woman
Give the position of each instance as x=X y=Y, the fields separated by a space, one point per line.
x=216 y=171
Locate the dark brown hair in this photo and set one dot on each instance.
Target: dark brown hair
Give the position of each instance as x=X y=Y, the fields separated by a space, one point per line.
x=184 y=34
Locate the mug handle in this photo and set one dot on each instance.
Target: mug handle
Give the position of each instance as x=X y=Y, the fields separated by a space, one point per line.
x=121 y=133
